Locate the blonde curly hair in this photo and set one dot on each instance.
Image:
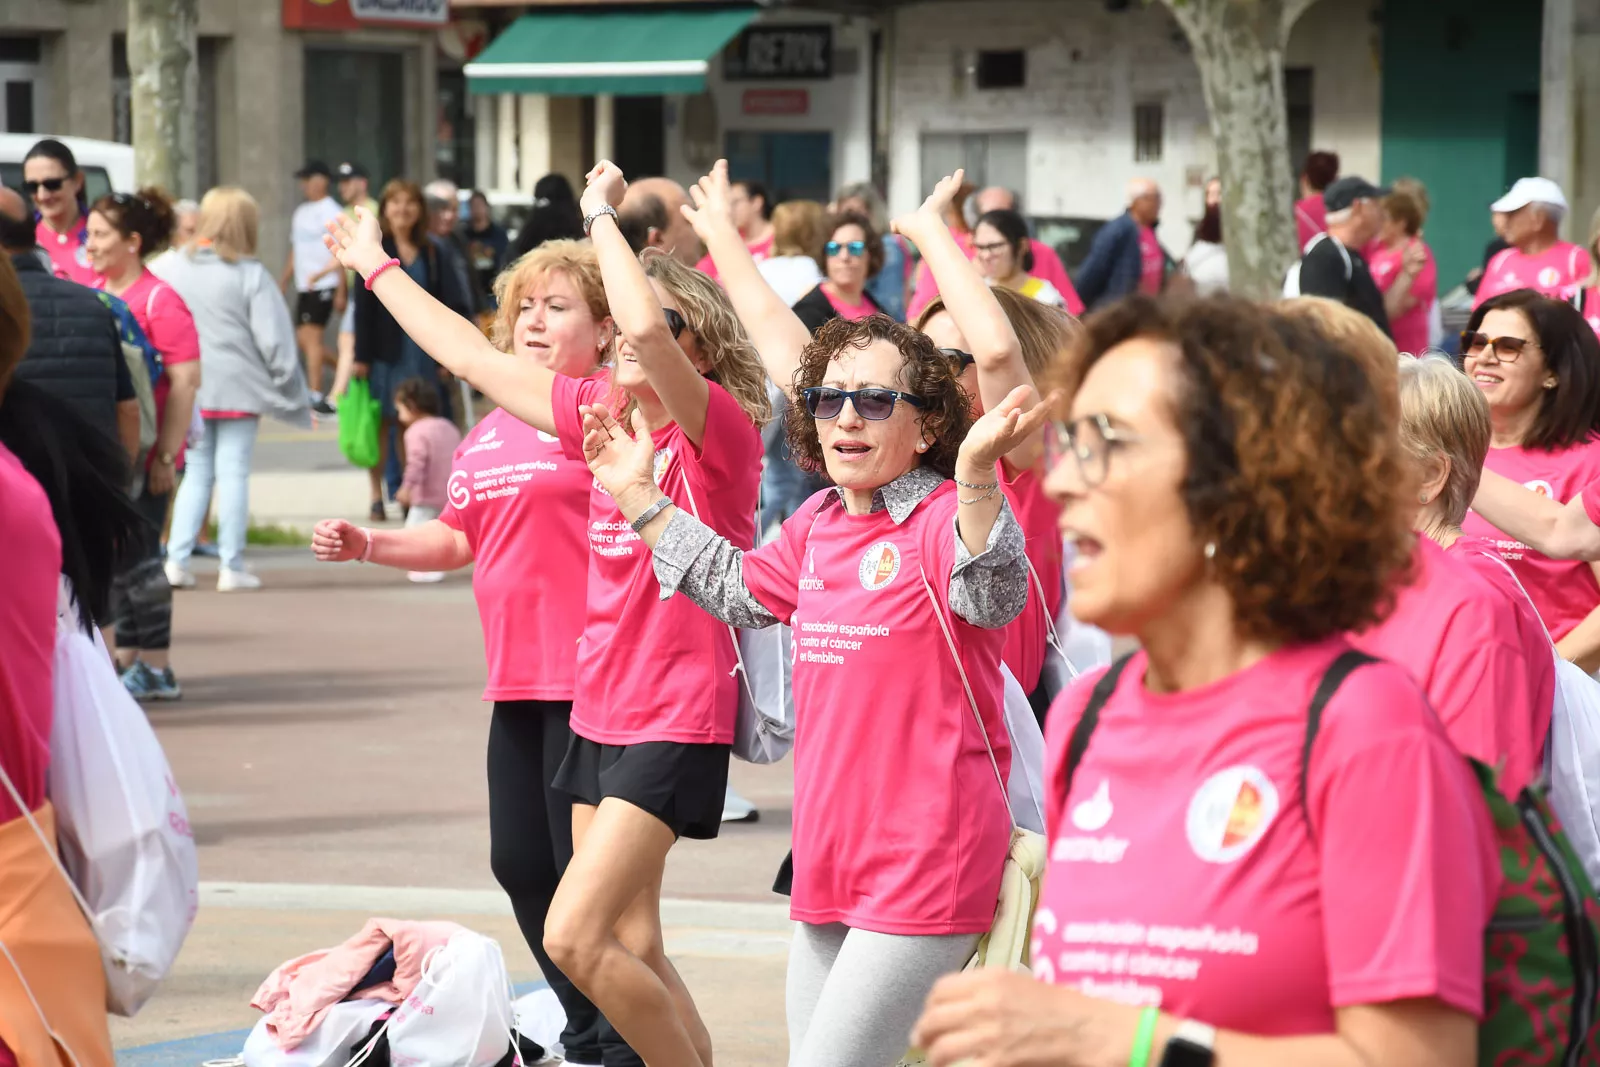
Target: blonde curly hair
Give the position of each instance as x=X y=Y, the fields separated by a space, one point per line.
x=735 y=363
x=576 y=260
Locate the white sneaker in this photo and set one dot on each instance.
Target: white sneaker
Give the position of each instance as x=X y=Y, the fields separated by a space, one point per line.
x=232 y=581
x=178 y=577
x=425 y=576
x=736 y=808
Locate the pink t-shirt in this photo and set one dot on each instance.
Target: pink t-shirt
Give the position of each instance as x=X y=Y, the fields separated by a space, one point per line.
x=1537 y=649
x=1154 y=262
x=67 y=253
x=1557 y=271
x=899 y=824
x=1591 y=308
x=430 y=445
x=648 y=669
x=1310 y=217
x=759 y=250
x=846 y=310
x=1046 y=264
x=1025 y=635
x=1186 y=875
x=1564 y=591
x=926 y=289
x=1410 y=328
x=1591 y=502
x=167 y=325
x=523 y=504
x=30 y=569
x=1458 y=637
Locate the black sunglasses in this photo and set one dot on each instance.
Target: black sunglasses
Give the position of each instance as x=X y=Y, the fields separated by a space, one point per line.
x=963 y=359
x=855 y=248
x=49 y=184
x=675 y=322
x=825 y=402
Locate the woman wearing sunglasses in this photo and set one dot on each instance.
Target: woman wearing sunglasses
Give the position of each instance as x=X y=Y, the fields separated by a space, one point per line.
x=915 y=550
x=52 y=180
x=654 y=697
x=852 y=255
x=1239 y=500
x=1000 y=246
x=1537 y=363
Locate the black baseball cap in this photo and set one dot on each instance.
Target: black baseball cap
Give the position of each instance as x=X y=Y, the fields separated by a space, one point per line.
x=314 y=167
x=351 y=170
x=1343 y=192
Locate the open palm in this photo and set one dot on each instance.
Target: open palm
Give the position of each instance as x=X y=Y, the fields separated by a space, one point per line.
x=933 y=210
x=1002 y=428
x=357 y=242
x=713 y=202
x=620 y=462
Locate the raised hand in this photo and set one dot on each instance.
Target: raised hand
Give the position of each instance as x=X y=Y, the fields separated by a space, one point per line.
x=1004 y=427
x=336 y=541
x=712 y=210
x=621 y=463
x=606 y=187
x=933 y=210
x=357 y=242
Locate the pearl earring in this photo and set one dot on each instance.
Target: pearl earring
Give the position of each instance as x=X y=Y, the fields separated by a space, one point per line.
x=1423 y=498
x=922 y=446
x=1211 y=550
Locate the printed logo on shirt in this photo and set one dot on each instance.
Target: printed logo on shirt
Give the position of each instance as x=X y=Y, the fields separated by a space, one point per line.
x=663 y=457
x=879 y=566
x=1094 y=813
x=547 y=438
x=1542 y=487
x=81 y=256
x=1549 y=278
x=809 y=582
x=486 y=443
x=1230 y=812
x=460 y=496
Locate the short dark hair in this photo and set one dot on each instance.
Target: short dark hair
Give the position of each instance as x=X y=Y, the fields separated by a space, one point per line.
x=1570 y=412
x=868 y=232
x=418 y=395
x=644 y=213
x=1320 y=170
x=755 y=190
x=18 y=234
x=1209 y=228
x=1014 y=230
x=926 y=373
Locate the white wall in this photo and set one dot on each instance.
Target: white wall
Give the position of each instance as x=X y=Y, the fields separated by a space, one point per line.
x=1341 y=43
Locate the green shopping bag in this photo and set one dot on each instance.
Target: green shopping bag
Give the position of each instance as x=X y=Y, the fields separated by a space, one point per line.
x=360 y=420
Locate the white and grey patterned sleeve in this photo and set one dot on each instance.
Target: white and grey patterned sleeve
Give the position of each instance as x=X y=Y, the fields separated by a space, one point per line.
x=990 y=589
x=693 y=559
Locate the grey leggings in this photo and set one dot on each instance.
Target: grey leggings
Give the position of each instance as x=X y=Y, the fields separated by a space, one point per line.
x=854 y=995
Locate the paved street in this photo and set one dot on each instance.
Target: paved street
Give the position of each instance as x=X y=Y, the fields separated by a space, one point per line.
x=330 y=748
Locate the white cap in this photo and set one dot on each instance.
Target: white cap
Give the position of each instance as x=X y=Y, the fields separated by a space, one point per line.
x=1530 y=191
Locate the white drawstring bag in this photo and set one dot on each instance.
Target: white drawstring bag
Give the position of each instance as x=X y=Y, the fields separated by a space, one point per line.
x=460 y=1013
x=1573 y=762
x=341 y=1031
x=121 y=823
x=1025 y=784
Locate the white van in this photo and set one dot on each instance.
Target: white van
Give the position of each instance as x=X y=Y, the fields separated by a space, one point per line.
x=107 y=165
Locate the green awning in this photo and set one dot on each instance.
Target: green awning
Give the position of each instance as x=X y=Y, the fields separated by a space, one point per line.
x=625 y=51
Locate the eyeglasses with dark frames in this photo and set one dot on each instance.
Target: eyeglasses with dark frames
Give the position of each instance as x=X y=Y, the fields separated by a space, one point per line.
x=963 y=360
x=876 y=404
x=675 y=322
x=1090 y=440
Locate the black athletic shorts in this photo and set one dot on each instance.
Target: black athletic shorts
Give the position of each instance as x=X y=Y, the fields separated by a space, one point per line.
x=315 y=307
x=683 y=785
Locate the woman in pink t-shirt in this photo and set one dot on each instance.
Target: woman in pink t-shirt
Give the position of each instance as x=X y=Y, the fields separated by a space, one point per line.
x=1239 y=501
x=654 y=697
x=1560 y=531
x=1403 y=266
x=853 y=253
x=50 y=176
x=1538 y=365
x=517 y=510
x=124 y=230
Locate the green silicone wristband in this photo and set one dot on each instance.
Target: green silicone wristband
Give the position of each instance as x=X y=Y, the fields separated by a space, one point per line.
x=1144 y=1037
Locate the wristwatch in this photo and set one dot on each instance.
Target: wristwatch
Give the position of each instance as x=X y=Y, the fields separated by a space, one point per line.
x=603 y=209
x=1192 y=1045
x=166 y=458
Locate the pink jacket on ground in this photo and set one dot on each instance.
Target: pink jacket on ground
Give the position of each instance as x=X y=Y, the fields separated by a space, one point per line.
x=299 y=993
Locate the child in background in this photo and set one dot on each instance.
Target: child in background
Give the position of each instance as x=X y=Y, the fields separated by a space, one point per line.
x=430 y=442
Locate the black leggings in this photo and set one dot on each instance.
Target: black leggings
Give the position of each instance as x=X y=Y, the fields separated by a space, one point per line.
x=141 y=599
x=530 y=845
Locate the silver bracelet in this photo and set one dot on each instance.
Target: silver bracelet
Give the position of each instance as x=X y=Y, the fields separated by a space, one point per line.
x=589 y=219
x=649 y=513
x=993 y=489
x=972 y=485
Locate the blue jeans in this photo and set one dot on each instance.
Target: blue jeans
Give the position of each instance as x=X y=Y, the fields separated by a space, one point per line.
x=222 y=460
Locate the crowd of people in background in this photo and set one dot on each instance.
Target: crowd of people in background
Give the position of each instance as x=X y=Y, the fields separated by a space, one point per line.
x=740 y=411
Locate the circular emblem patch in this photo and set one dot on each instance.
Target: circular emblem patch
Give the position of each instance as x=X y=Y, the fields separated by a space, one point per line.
x=1230 y=812
x=1542 y=487
x=663 y=457
x=548 y=438
x=879 y=566
x=1549 y=278
x=457 y=490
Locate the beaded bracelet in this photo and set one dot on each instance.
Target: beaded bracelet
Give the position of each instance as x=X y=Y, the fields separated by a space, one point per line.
x=369 y=279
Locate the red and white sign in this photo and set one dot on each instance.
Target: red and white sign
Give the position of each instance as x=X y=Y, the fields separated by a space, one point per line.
x=355 y=14
x=776 y=101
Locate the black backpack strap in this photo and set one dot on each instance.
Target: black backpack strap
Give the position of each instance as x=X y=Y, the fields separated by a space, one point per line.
x=1091 y=718
x=1337 y=672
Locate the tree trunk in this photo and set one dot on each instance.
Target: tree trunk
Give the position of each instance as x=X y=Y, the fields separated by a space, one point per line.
x=1238 y=46
x=163 y=44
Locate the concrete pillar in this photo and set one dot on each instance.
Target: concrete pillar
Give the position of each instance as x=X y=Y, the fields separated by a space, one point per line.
x=605 y=126
x=504 y=110
x=1583 y=189
x=533 y=140
x=1556 y=133
x=484 y=140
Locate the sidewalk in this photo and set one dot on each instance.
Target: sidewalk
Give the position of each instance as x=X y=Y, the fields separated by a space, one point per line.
x=299 y=477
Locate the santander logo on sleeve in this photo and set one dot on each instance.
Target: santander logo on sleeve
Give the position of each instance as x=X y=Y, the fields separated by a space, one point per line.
x=1089 y=845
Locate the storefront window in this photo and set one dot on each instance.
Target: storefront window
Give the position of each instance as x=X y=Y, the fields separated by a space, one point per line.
x=355 y=111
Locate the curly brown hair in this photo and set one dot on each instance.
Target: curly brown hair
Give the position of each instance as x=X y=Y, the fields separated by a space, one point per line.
x=926 y=373
x=1295 y=470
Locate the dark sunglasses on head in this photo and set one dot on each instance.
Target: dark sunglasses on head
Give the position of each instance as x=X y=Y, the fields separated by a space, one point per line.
x=855 y=248
x=1506 y=349
x=675 y=321
x=825 y=402
x=962 y=359
x=49 y=184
